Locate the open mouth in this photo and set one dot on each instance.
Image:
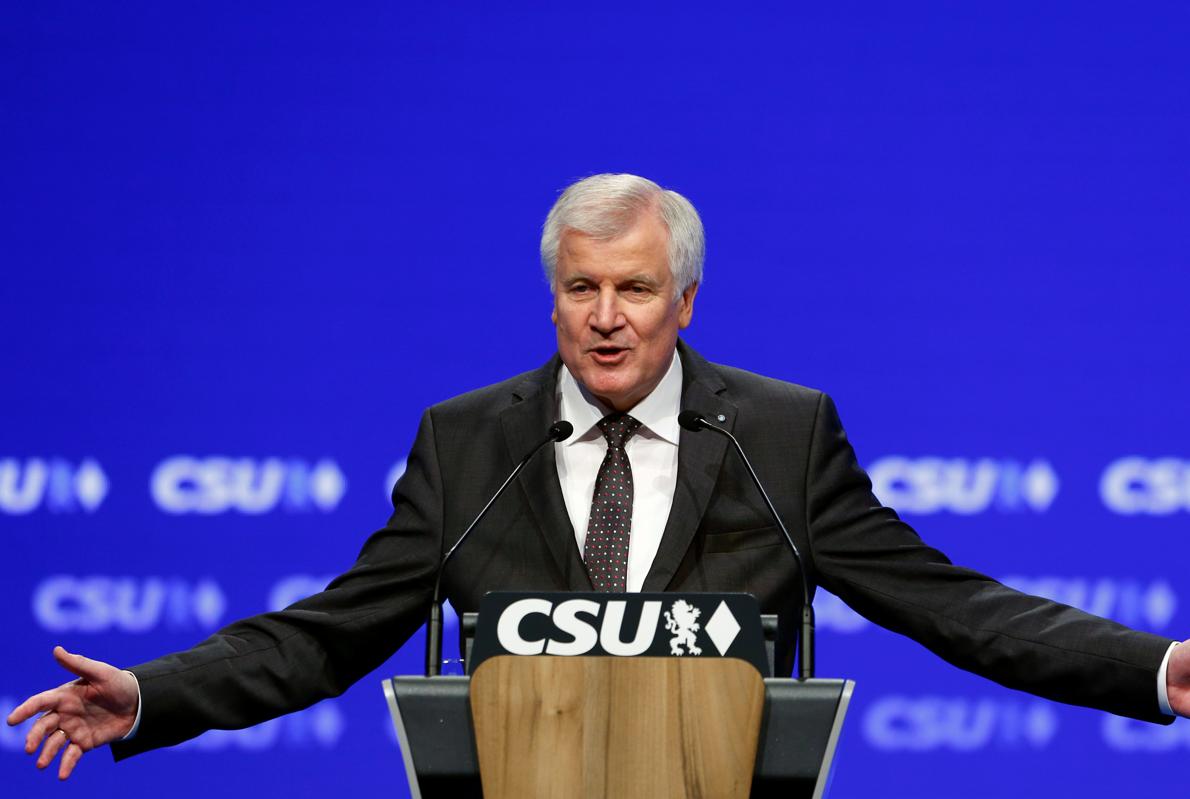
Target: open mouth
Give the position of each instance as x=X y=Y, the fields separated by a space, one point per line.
x=608 y=355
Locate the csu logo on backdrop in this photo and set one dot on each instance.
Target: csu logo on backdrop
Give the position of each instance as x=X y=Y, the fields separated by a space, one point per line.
x=55 y=484
x=98 y=603
x=217 y=484
x=963 y=485
x=1128 y=735
x=930 y=723
x=1149 y=605
x=1154 y=486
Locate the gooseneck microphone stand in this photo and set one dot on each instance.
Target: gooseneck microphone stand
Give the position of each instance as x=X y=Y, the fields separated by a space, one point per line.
x=559 y=431
x=694 y=422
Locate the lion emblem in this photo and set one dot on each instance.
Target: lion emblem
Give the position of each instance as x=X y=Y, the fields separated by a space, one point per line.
x=684 y=625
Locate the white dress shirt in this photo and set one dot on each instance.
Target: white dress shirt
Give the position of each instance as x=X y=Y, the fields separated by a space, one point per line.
x=652 y=451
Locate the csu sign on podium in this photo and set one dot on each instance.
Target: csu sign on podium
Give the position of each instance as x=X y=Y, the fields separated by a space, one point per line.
x=621 y=625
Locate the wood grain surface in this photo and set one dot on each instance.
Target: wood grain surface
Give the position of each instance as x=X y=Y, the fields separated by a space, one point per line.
x=616 y=727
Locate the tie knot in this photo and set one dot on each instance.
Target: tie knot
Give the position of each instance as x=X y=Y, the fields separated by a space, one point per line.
x=617 y=428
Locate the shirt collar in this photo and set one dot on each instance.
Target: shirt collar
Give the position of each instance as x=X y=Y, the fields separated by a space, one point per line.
x=657 y=413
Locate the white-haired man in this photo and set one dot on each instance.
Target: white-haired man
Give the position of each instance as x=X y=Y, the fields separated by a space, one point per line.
x=624 y=260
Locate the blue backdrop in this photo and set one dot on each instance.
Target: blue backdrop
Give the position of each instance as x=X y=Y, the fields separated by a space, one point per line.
x=244 y=246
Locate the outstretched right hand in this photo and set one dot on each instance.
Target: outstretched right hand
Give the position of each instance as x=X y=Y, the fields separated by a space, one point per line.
x=97 y=708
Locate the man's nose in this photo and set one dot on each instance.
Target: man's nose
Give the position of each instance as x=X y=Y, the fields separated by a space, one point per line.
x=606 y=316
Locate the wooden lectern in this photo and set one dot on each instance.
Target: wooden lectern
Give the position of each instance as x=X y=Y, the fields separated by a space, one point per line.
x=702 y=721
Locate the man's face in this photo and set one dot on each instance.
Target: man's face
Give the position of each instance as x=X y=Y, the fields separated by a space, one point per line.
x=615 y=311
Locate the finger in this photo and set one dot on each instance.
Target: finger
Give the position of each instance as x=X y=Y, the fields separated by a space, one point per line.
x=70 y=759
x=55 y=741
x=38 y=703
x=77 y=664
x=44 y=725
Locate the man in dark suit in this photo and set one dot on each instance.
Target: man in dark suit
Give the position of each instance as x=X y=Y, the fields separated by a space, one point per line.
x=629 y=503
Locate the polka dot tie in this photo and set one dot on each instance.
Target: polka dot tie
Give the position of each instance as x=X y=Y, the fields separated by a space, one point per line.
x=605 y=550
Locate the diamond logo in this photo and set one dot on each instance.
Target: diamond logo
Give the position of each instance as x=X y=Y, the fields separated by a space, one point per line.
x=90 y=484
x=208 y=603
x=1039 y=485
x=722 y=628
x=327 y=484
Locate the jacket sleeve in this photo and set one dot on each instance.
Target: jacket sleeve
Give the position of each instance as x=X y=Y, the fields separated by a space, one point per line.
x=879 y=566
x=276 y=663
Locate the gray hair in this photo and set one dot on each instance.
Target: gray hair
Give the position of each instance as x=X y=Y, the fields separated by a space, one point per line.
x=606 y=206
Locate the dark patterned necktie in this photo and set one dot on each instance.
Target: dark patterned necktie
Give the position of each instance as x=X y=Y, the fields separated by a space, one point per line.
x=605 y=550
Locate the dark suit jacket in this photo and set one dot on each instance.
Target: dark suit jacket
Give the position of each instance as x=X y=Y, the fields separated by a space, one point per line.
x=718 y=538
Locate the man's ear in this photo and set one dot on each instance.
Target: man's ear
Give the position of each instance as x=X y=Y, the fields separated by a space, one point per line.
x=686 y=312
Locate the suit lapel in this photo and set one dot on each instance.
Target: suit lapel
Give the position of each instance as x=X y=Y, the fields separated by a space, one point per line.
x=700 y=456
x=525 y=423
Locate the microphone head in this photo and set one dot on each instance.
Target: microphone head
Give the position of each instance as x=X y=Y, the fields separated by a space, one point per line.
x=561 y=430
x=691 y=420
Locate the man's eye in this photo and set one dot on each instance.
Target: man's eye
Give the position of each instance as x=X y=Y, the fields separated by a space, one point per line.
x=579 y=289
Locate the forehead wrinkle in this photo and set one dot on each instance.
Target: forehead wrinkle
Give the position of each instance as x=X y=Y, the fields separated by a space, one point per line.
x=611 y=256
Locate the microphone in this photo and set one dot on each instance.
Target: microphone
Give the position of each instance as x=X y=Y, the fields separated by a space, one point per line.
x=559 y=431
x=694 y=421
